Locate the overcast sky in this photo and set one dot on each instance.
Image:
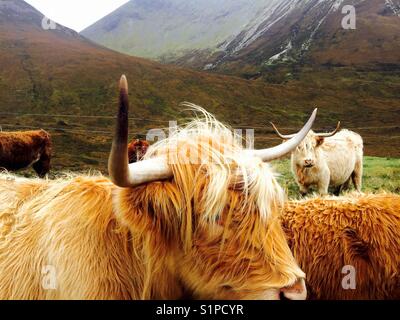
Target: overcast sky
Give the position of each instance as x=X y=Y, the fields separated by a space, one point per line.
x=76 y=14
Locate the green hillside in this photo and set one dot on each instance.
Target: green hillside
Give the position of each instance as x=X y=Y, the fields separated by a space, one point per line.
x=59 y=81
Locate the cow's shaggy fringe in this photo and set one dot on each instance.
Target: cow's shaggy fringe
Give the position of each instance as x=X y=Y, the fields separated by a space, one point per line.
x=207 y=159
x=215 y=224
x=207 y=147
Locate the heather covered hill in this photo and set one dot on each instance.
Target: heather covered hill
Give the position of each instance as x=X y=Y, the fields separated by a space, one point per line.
x=60 y=81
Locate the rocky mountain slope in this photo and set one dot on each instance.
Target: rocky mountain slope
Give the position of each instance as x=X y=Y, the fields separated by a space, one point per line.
x=240 y=36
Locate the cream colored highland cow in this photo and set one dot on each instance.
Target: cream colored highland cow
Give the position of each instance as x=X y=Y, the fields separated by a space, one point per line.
x=326 y=160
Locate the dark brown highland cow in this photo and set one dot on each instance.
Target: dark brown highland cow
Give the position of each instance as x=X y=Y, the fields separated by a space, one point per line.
x=137 y=149
x=19 y=150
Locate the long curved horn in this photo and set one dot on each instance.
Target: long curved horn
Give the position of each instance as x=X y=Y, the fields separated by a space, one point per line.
x=282 y=136
x=329 y=134
x=122 y=173
x=283 y=149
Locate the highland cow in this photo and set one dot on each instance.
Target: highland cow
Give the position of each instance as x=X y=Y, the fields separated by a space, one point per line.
x=137 y=149
x=328 y=160
x=19 y=150
x=161 y=228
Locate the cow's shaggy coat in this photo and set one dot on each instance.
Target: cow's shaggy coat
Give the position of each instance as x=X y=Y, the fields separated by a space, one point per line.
x=361 y=231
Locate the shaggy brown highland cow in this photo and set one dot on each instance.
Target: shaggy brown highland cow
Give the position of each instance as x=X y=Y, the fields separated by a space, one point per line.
x=19 y=150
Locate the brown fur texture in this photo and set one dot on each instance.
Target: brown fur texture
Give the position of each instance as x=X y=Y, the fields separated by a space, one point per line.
x=137 y=149
x=362 y=231
x=19 y=150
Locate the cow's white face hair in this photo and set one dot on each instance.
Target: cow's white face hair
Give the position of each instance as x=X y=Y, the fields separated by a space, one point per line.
x=307 y=153
x=217 y=220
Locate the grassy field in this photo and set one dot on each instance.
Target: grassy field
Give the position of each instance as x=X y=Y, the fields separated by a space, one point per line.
x=380 y=174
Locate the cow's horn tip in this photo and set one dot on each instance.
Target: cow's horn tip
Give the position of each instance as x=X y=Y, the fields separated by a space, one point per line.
x=123 y=83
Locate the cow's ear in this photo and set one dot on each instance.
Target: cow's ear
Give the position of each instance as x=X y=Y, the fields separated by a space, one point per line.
x=320 y=140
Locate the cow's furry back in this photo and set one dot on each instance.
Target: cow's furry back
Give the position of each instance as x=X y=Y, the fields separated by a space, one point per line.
x=44 y=224
x=362 y=231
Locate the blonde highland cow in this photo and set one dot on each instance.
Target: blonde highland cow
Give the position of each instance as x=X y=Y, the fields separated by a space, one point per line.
x=161 y=228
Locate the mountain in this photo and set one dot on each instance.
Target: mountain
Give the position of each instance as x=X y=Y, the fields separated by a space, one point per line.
x=60 y=81
x=310 y=33
x=60 y=71
x=166 y=29
x=245 y=37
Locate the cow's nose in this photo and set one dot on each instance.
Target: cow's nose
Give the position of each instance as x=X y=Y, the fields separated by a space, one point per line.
x=308 y=162
x=296 y=292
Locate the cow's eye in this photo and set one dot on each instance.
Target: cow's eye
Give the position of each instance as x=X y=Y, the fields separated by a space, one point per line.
x=227 y=287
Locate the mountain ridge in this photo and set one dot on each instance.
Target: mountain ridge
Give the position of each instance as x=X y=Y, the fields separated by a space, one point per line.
x=267 y=33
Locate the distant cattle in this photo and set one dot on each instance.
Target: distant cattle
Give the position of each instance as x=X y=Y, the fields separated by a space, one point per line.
x=137 y=149
x=348 y=246
x=327 y=160
x=19 y=150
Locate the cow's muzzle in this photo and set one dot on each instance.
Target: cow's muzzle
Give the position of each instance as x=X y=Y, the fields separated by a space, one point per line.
x=308 y=163
x=296 y=292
